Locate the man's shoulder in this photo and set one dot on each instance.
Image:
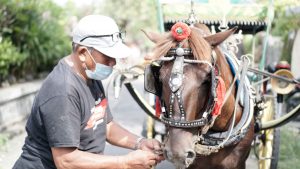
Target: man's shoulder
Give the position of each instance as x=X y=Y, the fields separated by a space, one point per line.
x=60 y=82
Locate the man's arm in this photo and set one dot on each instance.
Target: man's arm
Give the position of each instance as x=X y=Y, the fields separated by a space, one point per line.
x=72 y=158
x=119 y=136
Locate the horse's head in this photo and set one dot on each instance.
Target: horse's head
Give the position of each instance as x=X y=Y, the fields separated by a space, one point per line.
x=185 y=81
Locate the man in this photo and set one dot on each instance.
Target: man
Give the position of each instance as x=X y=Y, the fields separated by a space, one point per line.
x=70 y=119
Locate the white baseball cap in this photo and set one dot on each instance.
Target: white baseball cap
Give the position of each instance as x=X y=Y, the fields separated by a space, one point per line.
x=101 y=33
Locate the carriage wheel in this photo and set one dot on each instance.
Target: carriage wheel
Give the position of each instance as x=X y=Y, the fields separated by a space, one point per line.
x=268 y=148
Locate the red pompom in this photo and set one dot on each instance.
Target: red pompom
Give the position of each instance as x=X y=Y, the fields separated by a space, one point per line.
x=180 y=31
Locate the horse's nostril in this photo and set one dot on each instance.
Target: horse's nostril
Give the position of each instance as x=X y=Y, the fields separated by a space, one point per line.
x=190 y=154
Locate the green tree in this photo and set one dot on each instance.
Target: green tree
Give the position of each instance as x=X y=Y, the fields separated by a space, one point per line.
x=11 y=58
x=36 y=29
x=132 y=16
x=284 y=22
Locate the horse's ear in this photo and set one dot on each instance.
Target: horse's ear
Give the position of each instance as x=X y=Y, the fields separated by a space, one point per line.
x=154 y=37
x=218 y=38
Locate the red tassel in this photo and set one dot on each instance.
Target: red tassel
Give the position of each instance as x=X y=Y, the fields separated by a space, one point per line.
x=221 y=90
x=157 y=107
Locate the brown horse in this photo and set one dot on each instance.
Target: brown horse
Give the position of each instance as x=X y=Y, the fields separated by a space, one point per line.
x=195 y=138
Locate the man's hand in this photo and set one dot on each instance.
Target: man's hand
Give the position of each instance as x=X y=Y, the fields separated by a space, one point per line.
x=139 y=159
x=154 y=146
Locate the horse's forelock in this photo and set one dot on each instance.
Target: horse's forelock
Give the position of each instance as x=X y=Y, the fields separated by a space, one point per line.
x=163 y=46
x=201 y=49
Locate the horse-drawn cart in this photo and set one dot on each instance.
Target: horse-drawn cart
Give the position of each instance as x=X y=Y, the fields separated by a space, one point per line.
x=237 y=101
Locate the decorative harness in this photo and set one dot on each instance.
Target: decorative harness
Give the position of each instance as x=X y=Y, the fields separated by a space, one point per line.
x=206 y=142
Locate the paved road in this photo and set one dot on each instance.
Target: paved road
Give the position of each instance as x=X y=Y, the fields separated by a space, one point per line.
x=125 y=111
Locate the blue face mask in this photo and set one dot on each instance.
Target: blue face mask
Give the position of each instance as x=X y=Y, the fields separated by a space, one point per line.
x=101 y=71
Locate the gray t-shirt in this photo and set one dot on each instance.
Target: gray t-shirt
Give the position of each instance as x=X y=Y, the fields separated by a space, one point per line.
x=67 y=112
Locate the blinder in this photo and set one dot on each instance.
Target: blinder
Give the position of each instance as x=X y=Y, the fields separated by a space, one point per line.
x=152 y=83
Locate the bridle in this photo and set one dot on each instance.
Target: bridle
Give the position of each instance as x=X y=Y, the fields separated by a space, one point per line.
x=177 y=55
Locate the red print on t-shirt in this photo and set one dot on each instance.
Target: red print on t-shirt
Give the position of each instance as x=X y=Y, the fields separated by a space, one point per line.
x=98 y=113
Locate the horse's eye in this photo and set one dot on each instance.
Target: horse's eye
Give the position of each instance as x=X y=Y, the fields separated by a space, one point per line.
x=207 y=79
x=206 y=82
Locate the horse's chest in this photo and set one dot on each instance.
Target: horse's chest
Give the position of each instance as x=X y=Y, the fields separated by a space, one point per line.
x=228 y=158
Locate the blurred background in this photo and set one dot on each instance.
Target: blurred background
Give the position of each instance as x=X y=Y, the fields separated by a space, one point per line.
x=35 y=34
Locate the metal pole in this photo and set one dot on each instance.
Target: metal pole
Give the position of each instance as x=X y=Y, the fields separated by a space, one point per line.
x=160 y=16
x=270 y=19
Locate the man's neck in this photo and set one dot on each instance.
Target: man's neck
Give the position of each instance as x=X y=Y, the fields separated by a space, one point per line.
x=76 y=66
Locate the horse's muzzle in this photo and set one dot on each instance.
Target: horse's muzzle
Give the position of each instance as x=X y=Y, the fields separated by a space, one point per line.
x=181 y=160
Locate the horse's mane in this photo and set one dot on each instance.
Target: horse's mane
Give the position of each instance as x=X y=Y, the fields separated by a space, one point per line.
x=200 y=47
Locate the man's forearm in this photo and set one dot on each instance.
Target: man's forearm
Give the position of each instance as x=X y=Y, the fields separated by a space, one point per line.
x=72 y=158
x=119 y=136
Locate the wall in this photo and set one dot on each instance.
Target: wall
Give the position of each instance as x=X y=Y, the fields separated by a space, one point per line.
x=16 y=102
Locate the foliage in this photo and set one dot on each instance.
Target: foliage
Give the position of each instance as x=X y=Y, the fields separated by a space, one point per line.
x=247 y=43
x=284 y=22
x=285 y=18
x=132 y=17
x=289 y=149
x=36 y=29
x=3 y=141
x=11 y=58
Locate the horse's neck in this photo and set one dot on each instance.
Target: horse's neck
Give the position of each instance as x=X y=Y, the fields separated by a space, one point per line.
x=223 y=121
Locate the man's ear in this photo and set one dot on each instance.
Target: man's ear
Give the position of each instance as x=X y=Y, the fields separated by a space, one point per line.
x=82 y=53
